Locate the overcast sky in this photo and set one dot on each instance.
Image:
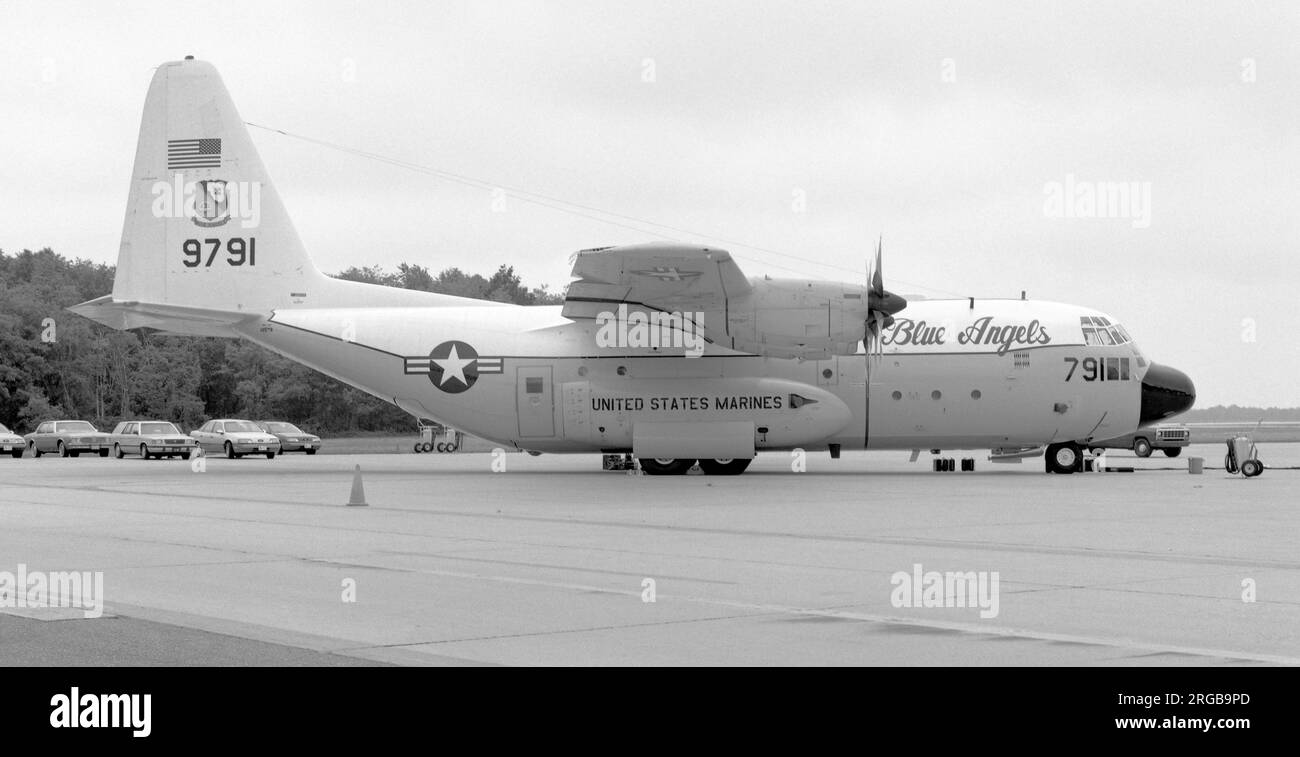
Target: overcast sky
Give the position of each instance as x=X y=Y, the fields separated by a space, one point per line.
x=800 y=128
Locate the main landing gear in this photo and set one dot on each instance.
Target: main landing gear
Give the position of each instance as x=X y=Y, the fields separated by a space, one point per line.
x=669 y=466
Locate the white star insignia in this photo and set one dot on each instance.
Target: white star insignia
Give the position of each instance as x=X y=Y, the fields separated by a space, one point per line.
x=453 y=366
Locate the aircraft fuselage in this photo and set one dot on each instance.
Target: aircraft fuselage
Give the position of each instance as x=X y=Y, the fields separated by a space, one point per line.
x=998 y=374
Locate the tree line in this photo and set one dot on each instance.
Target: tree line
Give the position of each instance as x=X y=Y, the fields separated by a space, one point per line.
x=57 y=365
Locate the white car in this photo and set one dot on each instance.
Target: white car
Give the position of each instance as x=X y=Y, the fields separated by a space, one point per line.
x=151 y=439
x=10 y=443
x=236 y=438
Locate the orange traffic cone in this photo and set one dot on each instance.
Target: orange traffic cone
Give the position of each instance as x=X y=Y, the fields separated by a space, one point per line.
x=358 y=498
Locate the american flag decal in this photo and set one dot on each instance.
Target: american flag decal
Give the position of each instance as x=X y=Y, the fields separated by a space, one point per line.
x=193 y=153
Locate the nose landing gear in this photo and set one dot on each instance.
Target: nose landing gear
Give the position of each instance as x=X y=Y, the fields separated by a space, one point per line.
x=1066 y=457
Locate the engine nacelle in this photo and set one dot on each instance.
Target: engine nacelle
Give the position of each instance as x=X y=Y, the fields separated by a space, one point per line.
x=798 y=318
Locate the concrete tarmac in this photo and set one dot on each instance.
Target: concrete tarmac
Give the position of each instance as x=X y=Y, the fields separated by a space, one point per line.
x=550 y=562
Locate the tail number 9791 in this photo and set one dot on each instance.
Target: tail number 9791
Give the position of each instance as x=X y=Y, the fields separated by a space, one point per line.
x=203 y=252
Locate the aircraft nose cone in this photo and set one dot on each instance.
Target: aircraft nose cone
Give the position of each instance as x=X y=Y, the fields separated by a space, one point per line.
x=1165 y=391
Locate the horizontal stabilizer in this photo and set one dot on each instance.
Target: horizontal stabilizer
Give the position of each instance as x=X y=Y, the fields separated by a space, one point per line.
x=173 y=319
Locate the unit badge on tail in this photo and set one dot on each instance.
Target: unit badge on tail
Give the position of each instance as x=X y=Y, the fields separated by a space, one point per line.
x=453 y=366
x=211 y=204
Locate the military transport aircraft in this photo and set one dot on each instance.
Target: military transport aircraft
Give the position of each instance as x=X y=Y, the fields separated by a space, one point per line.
x=664 y=351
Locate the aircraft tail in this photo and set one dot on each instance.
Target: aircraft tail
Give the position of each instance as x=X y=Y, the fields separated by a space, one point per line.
x=207 y=242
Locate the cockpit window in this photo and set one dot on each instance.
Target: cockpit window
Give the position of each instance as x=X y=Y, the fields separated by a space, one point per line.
x=1098 y=331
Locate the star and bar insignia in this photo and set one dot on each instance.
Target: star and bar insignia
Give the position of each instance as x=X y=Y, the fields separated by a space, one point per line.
x=453 y=366
x=668 y=274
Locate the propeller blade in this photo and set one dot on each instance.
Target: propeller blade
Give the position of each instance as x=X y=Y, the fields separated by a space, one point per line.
x=881 y=304
x=877 y=276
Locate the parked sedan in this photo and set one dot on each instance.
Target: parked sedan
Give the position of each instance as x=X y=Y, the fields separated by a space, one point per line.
x=67 y=438
x=292 y=438
x=11 y=443
x=236 y=438
x=151 y=439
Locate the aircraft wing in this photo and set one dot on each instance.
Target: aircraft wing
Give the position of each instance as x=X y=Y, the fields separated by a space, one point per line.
x=668 y=277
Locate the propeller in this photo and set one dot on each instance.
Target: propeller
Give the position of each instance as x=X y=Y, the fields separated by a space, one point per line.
x=881 y=303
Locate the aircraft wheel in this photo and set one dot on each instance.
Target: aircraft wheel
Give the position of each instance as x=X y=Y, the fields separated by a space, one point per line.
x=1063 y=458
x=1172 y=451
x=1252 y=468
x=441 y=447
x=665 y=466
x=426 y=447
x=1141 y=447
x=725 y=466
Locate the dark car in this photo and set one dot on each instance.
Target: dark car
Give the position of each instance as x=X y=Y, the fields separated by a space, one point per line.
x=292 y=438
x=67 y=438
x=151 y=439
x=11 y=443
